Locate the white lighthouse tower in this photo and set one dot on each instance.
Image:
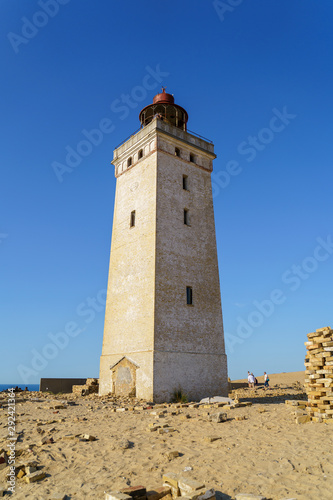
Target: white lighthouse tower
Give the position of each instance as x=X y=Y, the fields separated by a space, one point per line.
x=163 y=321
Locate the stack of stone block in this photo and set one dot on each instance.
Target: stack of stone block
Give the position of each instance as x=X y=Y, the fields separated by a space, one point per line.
x=319 y=375
x=90 y=387
x=174 y=486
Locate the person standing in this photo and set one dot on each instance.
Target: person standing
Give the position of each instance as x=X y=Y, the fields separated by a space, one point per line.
x=251 y=380
x=266 y=380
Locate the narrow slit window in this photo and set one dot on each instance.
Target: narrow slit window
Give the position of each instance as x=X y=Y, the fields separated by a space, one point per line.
x=140 y=154
x=192 y=158
x=186 y=217
x=132 y=220
x=189 y=296
x=185 y=182
x=129 y=161
x=177 y=152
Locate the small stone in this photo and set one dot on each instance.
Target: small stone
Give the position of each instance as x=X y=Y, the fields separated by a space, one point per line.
x=124 y=444
x=218 y=417
x=211 y=439
x=58 y=496
x=21 y=473
x=46 y=440
x=172 y=454
x=166 y=430
x=89 y=437
x=152 y=428
x=240 y=417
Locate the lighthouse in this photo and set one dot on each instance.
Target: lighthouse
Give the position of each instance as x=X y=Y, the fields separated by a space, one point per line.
x=163 y=326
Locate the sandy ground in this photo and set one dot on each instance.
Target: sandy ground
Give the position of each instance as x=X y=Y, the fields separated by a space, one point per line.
x=267 y=453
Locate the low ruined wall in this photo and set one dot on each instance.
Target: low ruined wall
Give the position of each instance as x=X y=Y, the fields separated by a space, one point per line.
x=56 y=385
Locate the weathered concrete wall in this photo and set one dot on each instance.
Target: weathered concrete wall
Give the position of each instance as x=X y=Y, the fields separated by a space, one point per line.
x=147 y=317
x=60 y=384
x=189 y=341
x=198 y=375
x=129 y=316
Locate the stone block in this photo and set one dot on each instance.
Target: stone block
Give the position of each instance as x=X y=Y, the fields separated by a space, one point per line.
x=35 y=476
x=116 y=495
x=135 y=492
x=187 y=485
x=30 y=469
x=303 y=419
x=2 y=491
x=170 y=479
x=158 y=493
x=207 y=495
x=58 y=496
x=21 y=473
x=174 y=492
x=194 y=495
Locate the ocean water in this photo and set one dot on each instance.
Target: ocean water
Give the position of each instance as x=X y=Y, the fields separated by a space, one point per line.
x=31 y=387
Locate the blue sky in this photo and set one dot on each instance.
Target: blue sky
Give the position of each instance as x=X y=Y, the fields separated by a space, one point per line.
x=255 y=77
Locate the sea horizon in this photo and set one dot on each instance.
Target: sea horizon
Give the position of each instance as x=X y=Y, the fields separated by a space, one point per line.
x=31 y=387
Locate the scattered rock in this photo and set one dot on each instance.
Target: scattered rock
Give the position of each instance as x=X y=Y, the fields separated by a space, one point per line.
x=88 y=437
x=46 y=440
x=172 y=454
x=166 y=430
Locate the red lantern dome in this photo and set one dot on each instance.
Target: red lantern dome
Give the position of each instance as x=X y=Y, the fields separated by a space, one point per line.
x=165 y=109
